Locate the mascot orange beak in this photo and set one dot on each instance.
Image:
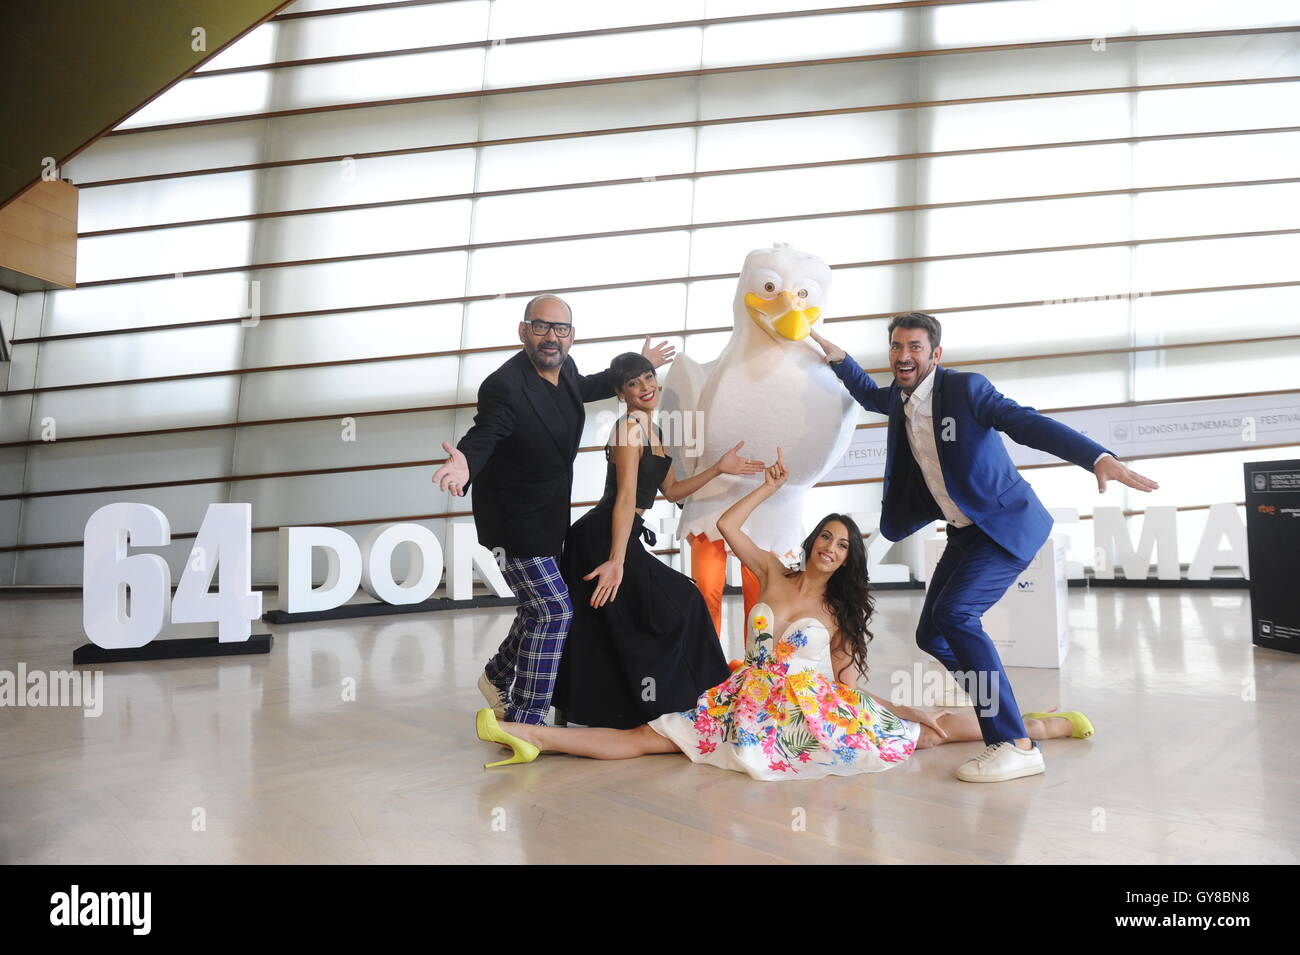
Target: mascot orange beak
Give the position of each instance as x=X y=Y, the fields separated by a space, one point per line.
x=783 y=314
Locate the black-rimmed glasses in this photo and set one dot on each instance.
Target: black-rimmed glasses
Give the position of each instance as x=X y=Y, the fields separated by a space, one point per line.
x=540 y=328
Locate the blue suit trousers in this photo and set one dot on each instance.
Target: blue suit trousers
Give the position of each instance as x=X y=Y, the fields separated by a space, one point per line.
x=972 y=575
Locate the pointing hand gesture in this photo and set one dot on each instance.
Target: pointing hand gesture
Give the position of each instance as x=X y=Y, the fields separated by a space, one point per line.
x=833 y=352
x=775 y=476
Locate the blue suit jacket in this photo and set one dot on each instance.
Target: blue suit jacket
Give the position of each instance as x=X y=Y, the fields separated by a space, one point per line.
x=977 y=470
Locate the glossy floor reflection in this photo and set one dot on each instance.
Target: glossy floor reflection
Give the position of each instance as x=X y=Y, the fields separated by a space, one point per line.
x=353 y=742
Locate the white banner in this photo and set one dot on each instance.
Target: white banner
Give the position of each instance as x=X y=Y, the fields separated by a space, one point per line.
x=1223 y=424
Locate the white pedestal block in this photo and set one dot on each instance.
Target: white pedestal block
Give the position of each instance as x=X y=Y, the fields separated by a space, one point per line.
x=1028 y=625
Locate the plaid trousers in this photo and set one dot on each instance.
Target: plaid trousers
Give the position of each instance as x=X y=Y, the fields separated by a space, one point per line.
x=527 y=661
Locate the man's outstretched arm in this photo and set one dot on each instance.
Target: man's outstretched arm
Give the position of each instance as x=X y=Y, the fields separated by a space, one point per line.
x=494 y=420
x=1026 y=426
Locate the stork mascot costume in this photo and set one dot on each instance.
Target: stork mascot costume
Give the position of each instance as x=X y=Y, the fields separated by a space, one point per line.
x=769 y=388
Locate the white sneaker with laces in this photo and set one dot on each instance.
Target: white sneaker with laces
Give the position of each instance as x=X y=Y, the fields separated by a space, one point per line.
x=495 y=698
x=1000 y=762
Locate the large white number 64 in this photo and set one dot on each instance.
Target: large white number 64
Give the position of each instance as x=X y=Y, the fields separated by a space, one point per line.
x=224 y=538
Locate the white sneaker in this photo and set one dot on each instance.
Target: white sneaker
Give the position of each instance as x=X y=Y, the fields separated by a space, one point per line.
x=1000 y=762
x=495 y=698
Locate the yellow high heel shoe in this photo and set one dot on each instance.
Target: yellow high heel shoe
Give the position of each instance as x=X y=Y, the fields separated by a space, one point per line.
x=488 y=731
x=1082 y=725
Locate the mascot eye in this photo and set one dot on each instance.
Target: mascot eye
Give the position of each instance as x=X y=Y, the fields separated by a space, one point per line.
x=769 y=286
x=803 y=293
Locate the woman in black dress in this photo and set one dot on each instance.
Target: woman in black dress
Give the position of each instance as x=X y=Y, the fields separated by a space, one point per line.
x=642 y=642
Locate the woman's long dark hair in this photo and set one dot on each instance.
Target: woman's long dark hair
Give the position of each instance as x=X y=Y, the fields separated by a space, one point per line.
x=848 y=595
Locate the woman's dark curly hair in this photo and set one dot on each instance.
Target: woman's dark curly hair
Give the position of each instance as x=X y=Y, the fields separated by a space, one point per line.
x=848 y=596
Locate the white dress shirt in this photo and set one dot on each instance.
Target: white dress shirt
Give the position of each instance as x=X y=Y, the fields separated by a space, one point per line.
x=920 y=434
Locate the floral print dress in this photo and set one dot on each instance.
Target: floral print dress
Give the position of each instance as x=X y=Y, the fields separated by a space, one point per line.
x=778 y=717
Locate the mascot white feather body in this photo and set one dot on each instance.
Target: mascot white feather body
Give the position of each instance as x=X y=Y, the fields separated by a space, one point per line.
x=770 y=388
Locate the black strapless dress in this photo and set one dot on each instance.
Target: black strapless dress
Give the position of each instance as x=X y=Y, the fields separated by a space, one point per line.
x=652 y=649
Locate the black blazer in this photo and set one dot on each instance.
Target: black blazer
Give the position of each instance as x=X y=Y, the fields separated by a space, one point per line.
x=521 y=456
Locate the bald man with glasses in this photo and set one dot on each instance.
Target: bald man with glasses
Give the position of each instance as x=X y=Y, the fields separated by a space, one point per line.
x=519 y=456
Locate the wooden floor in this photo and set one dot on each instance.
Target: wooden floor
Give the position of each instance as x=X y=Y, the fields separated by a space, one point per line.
x=1196 y=757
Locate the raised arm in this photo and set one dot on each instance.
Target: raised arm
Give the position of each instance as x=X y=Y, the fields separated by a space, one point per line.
x=600 y=386
x=860 y=385
x=596 y=387
x=760 y=562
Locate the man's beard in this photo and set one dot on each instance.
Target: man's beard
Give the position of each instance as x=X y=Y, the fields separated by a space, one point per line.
x=542 y=359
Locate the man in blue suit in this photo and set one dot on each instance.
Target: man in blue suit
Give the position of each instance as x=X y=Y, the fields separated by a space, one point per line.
x=946 y=461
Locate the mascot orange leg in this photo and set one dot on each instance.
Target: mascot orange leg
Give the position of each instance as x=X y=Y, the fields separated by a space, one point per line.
x=709 y=570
